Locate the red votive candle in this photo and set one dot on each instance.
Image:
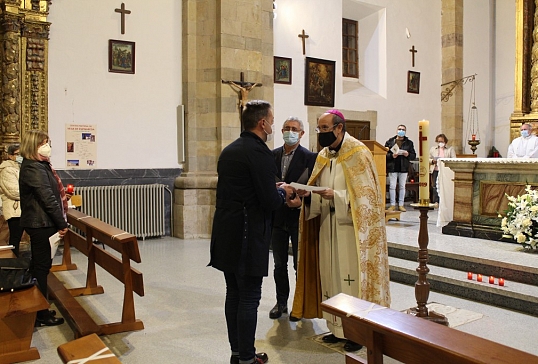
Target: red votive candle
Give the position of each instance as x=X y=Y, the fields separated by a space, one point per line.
x=70 y=189
x=491 y=280
x=473 y=137
x=470 y=275
x=501 y=281
x=479 y=277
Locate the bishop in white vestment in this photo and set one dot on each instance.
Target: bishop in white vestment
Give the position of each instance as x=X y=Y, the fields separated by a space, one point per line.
x=343 y=244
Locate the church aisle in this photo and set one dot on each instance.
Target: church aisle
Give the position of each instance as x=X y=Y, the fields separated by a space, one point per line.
x=184 y=321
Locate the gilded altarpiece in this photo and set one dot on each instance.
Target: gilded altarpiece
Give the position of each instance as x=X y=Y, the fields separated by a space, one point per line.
x=24 y=34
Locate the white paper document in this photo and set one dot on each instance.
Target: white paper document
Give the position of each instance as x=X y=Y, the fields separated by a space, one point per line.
x=299 y=186
x=54 y=242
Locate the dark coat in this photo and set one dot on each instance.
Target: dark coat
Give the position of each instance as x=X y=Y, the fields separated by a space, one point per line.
x=41 y=204
x=401 y=161
x=302 y=159
x=246 y=198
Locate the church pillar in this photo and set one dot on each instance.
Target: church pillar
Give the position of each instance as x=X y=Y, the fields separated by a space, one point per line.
x=24 y=34
x=526 y=68
x=452 y=69
x=221 y=39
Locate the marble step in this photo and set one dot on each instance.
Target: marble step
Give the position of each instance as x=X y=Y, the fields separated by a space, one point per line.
x=504 y=264
x=516 y=296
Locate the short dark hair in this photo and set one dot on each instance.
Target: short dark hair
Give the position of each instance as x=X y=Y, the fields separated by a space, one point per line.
x=338 y=120
x=13 y=148
x=254 y=111
x=442 y=136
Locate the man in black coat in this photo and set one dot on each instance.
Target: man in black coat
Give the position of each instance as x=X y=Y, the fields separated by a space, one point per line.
x=294 y=163
x=247 y=196
x=401 y=151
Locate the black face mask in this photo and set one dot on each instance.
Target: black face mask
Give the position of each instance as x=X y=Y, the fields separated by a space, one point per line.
x=326 y=139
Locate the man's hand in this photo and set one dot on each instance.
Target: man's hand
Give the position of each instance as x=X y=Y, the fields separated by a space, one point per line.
x=303 y=193
x=405 y=153
x=295 y=202
x=327 y=193
x=62 y=232
x=290 y=191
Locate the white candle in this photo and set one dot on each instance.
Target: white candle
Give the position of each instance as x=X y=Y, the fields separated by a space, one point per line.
x=424 y=163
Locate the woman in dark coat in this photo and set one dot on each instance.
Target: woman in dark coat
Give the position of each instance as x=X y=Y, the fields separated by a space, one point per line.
x=44 y=208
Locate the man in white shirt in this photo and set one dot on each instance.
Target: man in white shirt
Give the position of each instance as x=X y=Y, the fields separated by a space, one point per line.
x=526 y=146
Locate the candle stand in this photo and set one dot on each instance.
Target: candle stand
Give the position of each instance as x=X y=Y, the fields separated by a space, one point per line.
x=422 y=286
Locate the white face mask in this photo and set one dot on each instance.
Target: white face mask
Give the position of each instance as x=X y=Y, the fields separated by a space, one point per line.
x=290 y=137
x=19 y=159
x=441 y=145
x=270 y=136
x=44 y=150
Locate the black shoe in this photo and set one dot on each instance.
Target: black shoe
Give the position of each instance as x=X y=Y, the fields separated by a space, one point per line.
x=294 y=319
x=260 y=358
x=52 y=312
x=277 y=311
x=352 y=346
x=48 y=321
x=331 y=339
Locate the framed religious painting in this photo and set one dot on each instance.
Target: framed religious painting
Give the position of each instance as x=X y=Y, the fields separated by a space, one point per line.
x=282 y=70
x=319 y=82
x=413 y=82
x=121 y=56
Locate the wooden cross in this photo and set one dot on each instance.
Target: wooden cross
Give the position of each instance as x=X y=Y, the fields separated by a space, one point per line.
x=413 y=51
x=349 y=280
x=303 y=36
x=122 y=11
x=244 y=88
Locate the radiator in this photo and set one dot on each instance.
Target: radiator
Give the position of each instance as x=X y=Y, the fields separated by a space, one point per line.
x=136 y=209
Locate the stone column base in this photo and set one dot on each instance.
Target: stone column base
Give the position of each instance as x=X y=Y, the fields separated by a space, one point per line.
x=194 y=205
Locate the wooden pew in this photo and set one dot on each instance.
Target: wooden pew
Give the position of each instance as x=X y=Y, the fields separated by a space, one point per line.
x=87 y=347
x=120 y=268
x=411 y=339
x=18 y=311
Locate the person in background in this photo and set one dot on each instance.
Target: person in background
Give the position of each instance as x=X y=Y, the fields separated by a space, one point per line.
x=343 y=240
x=440 y=150
x=398 y=165
x=525 y=146
x=9 y=189
x=293 y=163
x=44 y=209
x=247 y=196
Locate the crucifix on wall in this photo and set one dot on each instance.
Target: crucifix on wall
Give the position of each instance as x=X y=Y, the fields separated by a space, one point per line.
x=413 y=51
x=122 y=11
x=243 y=88
x=303 y=37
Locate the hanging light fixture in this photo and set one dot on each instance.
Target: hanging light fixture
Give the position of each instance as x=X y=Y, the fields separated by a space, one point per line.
x=473 y=131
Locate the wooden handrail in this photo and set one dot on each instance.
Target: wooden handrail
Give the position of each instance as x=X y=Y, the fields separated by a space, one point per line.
x=96 y=231
x=411 y=339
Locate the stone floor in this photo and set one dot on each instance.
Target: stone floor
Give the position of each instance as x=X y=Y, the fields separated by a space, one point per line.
x=183 y=312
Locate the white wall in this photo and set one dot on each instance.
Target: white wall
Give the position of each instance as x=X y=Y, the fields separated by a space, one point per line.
x=135 y=114
x=383 y=85
x=488 y=51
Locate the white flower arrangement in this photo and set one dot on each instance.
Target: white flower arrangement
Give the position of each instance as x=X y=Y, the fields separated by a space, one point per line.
x=521 y=220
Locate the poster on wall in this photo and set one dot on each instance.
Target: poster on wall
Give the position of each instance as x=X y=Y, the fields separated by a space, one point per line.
x=80 y=146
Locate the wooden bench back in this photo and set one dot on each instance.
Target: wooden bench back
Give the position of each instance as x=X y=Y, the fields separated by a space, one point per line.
x=126 y=245
x=411 y=339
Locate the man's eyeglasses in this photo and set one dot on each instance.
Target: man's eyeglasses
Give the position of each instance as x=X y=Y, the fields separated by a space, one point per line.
x=401 y=129
x=291 y=128
x=325 y=128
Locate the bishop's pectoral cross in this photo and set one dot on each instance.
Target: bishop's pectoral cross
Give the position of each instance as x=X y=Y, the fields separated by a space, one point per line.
x=413 y=51
x=122 y=11
x=243 y=87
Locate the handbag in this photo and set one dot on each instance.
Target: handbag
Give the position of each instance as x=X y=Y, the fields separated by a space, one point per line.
x=15 y=274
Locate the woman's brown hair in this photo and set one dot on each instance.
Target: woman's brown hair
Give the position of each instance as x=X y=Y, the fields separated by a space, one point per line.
x=31 y=140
